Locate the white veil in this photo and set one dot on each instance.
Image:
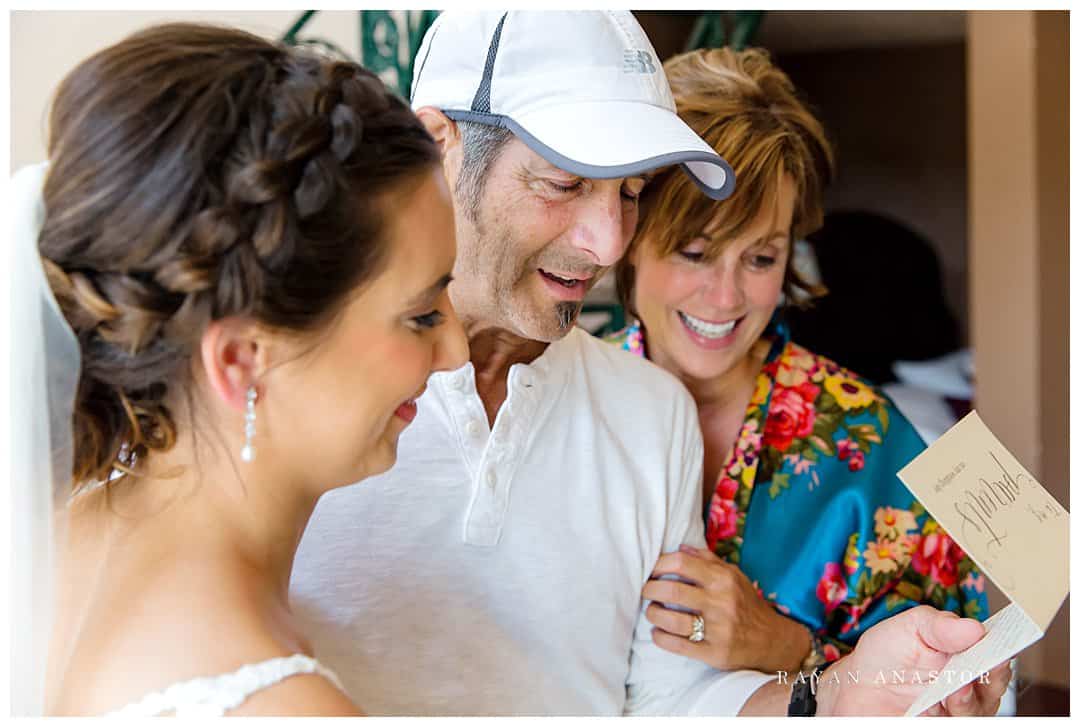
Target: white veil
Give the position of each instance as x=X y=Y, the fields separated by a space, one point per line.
x=44 y=377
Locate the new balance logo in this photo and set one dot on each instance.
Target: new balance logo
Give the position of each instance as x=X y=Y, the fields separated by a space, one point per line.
x=638 y=61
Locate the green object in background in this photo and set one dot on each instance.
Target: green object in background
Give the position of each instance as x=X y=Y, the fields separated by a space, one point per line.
x=381 y=48
x=290 y=35
x=380 y=44
x=712 y=29
x=616 y=321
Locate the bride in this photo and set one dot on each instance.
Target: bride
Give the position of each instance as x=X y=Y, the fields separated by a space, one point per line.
x=249 y=247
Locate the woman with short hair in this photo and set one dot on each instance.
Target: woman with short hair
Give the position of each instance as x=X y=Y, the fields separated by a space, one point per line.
x=812 y=538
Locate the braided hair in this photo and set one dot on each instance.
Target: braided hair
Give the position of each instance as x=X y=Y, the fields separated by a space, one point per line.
x=196 y=173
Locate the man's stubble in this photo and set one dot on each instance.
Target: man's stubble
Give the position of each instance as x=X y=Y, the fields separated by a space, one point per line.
x=494 y=276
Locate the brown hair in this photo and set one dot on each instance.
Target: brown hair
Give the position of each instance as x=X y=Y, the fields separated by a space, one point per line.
x=747 y=110
x=197 y=173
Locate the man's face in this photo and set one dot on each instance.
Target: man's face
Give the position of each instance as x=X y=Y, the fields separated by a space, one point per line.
x=540 y=241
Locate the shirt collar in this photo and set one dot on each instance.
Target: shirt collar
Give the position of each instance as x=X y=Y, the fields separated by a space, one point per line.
x=547 y=372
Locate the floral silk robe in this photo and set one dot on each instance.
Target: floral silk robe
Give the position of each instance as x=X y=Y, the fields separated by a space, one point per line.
x=810 y=508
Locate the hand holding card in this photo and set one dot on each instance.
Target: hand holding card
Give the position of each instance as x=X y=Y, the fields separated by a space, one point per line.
x=1013 y=529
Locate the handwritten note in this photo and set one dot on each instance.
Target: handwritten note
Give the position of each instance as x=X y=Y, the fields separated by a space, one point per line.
x=1013 y=529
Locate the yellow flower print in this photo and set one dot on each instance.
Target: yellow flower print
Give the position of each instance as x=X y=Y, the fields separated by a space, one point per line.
x=890 y=522
x=849 y=393
x=761 y=392
x=882 y=557
x=748 y=476
x=851 y=555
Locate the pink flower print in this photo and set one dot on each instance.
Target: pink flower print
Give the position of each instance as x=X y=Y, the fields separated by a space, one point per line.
x=849 y=451
x=799 y=465
x=844 y=449
x=722 y=520
x=750 y=437
x=832 y=588
x=726 y=488
x=790 y=417
x=937 y=557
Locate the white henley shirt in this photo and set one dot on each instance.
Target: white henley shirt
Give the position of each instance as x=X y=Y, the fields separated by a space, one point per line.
x=498 y=571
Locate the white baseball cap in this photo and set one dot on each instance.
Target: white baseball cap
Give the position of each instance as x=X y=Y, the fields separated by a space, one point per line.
x=583 y=89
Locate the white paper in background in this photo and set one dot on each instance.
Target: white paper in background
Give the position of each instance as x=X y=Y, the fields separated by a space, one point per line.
x=1014 y=531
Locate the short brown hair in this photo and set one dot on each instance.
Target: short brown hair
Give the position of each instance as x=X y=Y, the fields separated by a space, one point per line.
x=196 y=173
x=747 y=110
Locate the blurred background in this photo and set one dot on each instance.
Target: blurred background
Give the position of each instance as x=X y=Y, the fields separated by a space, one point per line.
x=949 y=211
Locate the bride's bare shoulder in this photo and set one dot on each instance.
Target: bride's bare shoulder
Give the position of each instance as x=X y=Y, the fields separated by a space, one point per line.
x=146 y=641
x=134 y=623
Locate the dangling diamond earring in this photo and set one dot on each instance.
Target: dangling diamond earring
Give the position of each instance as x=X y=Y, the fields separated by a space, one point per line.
x=248 y=452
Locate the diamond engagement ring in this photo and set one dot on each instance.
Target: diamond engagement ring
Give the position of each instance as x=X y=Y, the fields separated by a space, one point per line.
x=697 y=630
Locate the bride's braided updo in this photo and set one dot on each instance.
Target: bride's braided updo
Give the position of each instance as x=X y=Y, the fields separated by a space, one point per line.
x=197 y=173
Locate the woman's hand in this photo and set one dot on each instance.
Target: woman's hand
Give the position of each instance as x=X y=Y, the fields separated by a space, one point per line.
x=742 y=631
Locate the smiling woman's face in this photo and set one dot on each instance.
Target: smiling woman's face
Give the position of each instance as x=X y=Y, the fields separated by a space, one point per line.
x=702 y=316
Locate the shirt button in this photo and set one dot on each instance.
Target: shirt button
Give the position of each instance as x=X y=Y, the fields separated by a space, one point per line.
x=457 y=383
x=473 y=429
x=526 y=378
x=491 y=479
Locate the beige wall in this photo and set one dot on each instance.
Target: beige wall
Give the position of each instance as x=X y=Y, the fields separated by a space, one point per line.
x=1018 y=201
x=45 y=45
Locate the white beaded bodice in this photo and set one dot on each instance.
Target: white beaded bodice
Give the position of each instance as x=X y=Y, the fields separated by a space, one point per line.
x=213 y=696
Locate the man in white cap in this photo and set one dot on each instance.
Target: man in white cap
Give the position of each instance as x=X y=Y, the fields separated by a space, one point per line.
x=498 y=567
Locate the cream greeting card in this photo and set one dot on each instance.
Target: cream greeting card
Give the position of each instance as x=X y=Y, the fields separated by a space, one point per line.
x=1013 y=529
